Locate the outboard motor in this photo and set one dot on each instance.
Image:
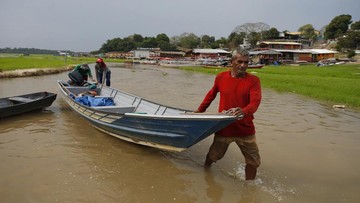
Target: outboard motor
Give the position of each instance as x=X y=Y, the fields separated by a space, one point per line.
x=77 y=78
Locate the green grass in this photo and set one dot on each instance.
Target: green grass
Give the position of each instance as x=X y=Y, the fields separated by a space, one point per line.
x=339 y=84
x=14 y=61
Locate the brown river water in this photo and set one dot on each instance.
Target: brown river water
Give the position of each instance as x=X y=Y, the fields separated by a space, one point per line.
x=309 y=150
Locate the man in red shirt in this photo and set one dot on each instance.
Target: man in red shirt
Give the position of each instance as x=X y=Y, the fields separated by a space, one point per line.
x=240 y=95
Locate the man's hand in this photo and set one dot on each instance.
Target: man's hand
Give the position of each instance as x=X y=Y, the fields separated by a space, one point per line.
x=92 y=79
x=237 y=111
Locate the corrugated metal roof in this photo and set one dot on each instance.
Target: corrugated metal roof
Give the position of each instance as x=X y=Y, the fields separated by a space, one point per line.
x=292 y=50
x=172 y=52
x=312 y=51
x=323 y=51
x=210 y=51
x=269 y=52
x=294 y=33
x=290 y=43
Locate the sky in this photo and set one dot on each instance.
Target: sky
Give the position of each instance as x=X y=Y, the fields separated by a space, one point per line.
x=85 y=25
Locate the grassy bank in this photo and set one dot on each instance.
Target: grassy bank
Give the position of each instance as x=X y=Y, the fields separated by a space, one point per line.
x=339 y=84
x=16 y=61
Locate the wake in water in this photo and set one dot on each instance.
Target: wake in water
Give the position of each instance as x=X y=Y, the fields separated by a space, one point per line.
x=275 y=188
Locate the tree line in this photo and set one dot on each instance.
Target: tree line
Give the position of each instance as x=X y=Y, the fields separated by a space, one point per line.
x=348 y=40
x=27 y=51
x=338 y=28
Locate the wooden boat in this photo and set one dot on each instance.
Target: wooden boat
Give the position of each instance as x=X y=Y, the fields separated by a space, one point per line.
x=24 y=103
x=143 y=122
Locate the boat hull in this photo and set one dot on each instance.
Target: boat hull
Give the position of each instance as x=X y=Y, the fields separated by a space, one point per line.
x=257 y=66
x=175 y=132
x=15 y=105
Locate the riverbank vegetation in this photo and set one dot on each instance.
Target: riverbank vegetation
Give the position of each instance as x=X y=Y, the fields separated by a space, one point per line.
x=338 y=84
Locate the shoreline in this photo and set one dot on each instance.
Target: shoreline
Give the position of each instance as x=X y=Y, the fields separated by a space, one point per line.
x=32 y=72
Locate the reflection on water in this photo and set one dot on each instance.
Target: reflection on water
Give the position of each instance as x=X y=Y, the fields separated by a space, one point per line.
x=214 y=190
x=55 y=155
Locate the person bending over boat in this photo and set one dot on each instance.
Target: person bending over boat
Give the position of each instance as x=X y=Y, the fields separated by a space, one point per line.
x=102 y=71
x=240 y=95
x=80 y=74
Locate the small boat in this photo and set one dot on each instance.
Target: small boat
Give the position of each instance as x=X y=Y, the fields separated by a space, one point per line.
x=255 y=65
x=135 y=119
x=24 y=103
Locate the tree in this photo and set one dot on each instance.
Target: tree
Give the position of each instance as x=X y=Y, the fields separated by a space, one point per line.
x=253 y=31
x=189 y=40
x=175 y=40
x=206 y=41
x=349 y=42
x=337 y=27
x=137 y=38
x=253 y=38
x=149 y=42
x=166 y=46
x=111 y=45
x=162 y=37
x=322 y=31
x=351 y=54
x=252 y=27
x=272 y=33
x=28 y=51
x=163 y=42
x=220 y=43
x=355 y=25
x=126 y=45
x=235 y=39
x=307 y=31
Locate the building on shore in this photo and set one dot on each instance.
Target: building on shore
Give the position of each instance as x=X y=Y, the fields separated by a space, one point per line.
x=290 y=52
x=121 y=55
x=210 y=53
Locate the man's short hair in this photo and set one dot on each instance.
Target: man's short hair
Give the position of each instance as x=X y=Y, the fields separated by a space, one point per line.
x=239 y=50
x=85 y=66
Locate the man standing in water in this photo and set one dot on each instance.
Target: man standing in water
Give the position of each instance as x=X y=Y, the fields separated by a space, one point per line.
x=102 y=72
x=240 y=95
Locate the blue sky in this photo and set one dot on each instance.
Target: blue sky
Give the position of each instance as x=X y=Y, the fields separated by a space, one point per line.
x=84 y=25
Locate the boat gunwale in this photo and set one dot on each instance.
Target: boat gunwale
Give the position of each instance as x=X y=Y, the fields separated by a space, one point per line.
x=186 y=115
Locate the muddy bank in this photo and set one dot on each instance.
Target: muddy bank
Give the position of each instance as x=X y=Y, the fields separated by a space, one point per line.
x=32 y=72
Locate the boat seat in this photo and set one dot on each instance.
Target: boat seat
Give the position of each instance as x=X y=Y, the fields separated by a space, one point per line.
x=81 y=90
x=21 y=99
x=115 y=109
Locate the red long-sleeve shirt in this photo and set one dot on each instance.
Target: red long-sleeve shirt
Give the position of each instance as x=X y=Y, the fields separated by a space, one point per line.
x=235 y=92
